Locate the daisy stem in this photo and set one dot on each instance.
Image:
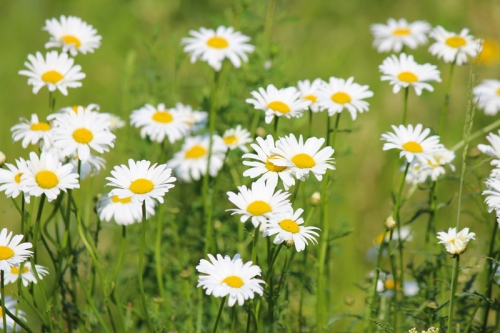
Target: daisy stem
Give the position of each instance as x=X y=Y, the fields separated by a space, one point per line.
x=22 y=213
x=16 y=319
x=405 y=105
x=446 y=99
x=254 y=245
x=395 y=216
x=4 y=313
x=491 y=269
x=477 y=134
x=456 y=267
x=296 y=191
x=276 y=119
x=271 y=264
x=371 y=307
x=158 y=260
x=219 y=314
x=140 y=270
x=309 y=129
x=394 y=276
x=37 y=224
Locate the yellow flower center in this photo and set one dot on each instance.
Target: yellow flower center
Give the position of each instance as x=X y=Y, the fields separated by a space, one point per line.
x=16 y=270
x=230 y=140
x=40 y=127
x=413 y=147
x=455 y=41
x=233 y=281
x=46 y=179
x=1 y=311
x=311 y=98
x=52 y=77
x=217 y=42
x=141 y=186
x=6 y=252
x=498 y=92
x=258 y=208
x=452 y=241
x=83 y=135
x=290 y=226
x=123 y=200
x=163 y=117
x=75 y=108
x=196 y=151
x=341 y=98
x=303 y=161
x=279 y=106
x=407 y=77
x=401 y=32
x=17 y=178
x=380 y=238
x=390 y=284
x=272 y=167
x=70 y=39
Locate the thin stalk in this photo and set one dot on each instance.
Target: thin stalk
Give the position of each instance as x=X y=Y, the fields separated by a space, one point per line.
x=271 y=264
x=456 y=267
x=219 y=313
x=2 y=290
x=477 y=134
x=491 y=273
x=158 y=260
x=405 y=105
x=275 y=128
x=254 y=245
x=309 y=128
x=16 y=319
x=371 y=307
x=296 y=191
x=395 y=216
x=394 y=276
x=22 y=213
x=446 y=99
x=90 y=301
x=37 y=225
x=141 y=268
x=255 y=123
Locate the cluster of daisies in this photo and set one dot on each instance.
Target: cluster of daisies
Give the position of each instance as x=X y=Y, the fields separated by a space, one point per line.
x=493 y=181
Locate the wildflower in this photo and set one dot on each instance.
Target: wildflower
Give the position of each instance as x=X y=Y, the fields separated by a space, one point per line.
x=27 y=274
x=454 y=47
x=72 y=34
x=487 y=96
x=455 y=243
x=399 y=33
x=115 y=122
x=190 y=163
x=493 y=192
x=46 y=175
x=237 y=138
x=494 y=149
x=124 y=211
x=90 y=167
x=12 y=251
x=56 y=71
x=288 y=226
x=226 y=276
x=309 y=92
x=214 y=46
x=337 y=94
x=10 y=179
x=404 y=72
x=10 y=304
x=141 y=180
x=315 y=198
x=196 y=120
x=32 y=131
x=420 y=171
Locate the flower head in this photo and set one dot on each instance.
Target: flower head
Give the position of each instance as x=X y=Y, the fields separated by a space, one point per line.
x=399 y=33
x=309 y=92
x=10 y=179
x=237 y=138
x=27 y=273
x=455 y=243
x=32 y=131
x=494 y=149
x=124 y=211
x=454 y=47
x=487 y=95
x=12 y=251
x=421 y=171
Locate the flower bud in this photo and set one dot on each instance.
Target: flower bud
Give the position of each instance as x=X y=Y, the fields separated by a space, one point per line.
x=389 y=223
x=3 y=158
x=315 y=199
x=260 y=131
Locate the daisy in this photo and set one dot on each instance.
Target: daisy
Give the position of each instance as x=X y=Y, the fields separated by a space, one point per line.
x=12 y=251
x=115 y=122
x=262 y=165
x=412 y=142
x=388 y=286
x=10 y=304
x=487 y=95
x=399 y=33
x=420 y=171
x=285 y=102
x=90 y=167
x=494 y=149
x=237 y=138
x=56 y=71
x=123 y=211
x=76 y=109
x=10 y=180
x=72 y=34
x=455 y=243
x=141 y=180
x=190 y=163
x=288 y=227
x=214 y=46
x=303 y=157
x=46 y=175
x=404 y=72
x=309 y=92
x=454 y=47
x=76 y=133
x=338 y=94
x=27 y=275
x=158 y=123
x=259 y=203
x=196 y=120
x=226 y=276
x=32 y=131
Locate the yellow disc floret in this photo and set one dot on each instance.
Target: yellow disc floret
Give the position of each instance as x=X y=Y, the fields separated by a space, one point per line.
x=303 y=161
x=413 y=147
x=52 y=77
x=40 y=127
x=407 y=77
x=141 y=186
x=341 y=98
x=163 y=117
x=217 y=42
x=70 y=39
x=455 y=41
x=196 y=151
x=233 y=281
x=6 y=252
x=258 y=208
x=290 y=226
x=83 y=135
x=46 y=179
x=279 y=107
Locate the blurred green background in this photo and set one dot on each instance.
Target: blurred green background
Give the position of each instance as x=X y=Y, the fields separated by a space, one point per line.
x=141 y=61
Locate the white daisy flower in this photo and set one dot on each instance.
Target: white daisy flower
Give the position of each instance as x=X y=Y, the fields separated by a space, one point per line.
x=412 y=142
x=76 y=133
x=90 y=167
x=56 y=71
x=404 y=72
x=259 y=203
x=454 y=47
x=76 y=109
x=214 y=46
x=226 y=276
x=237 y=138
x=158 y=123
x=309 y=92
x=46 y=175
x=141 y=180
x=337 y=94
x=388 y=286
x=420 y=171
x=288 y=228
x=123 y=211
x=115 y=122
x=493 y=195
x=262 y=165
x=285 y=102
x=399 y=33
x=190 y=163
x=303 y=157
x=11 y=305
x=487 y=95
x=28 y=275
x=196 y=120
x=455 y=243
x=494 y=149
x=32 y=131
x=72 y=34
x=10 y=180
x=12 y=251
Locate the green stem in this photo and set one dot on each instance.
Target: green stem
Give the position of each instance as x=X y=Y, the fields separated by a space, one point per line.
x=489 y=277
x=271 y=264
x=276 y=119
x=405 y=105
x=309 y=128
x=158 y=260
x=254 y=245
x=141 y=268
x=394 y=276
x=255 y=123
x=219 y=314
x=335 y=131
x=456 y=267
x=16 y=319
x=371 y=307
x=446 y=100
x=395 y=216
x=2 y=290
x=37 y=225
x=296 y=190
x=477 y=134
